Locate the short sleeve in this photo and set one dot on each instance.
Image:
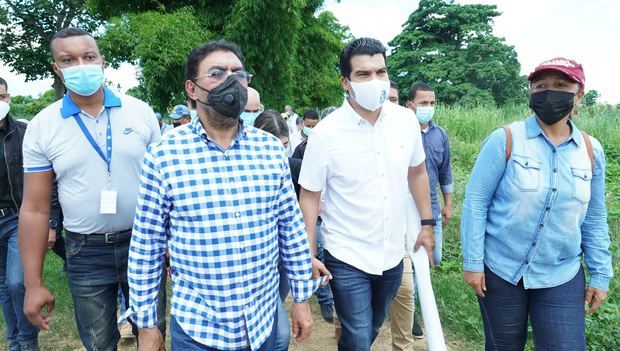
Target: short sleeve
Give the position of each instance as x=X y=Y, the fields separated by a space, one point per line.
x=313 y=175
x=155 y=131
x=34 y=152
x=417 y=156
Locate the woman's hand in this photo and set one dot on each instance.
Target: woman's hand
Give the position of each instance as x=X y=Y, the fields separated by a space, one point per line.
x=476 y=281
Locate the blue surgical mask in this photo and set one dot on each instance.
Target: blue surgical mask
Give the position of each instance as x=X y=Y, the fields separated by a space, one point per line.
x=83 y=80
x=425 y=114
x=248 y=118
x=308 y=131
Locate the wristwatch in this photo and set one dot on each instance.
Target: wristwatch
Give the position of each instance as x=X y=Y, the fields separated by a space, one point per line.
x=53 y=223
x=428 y=222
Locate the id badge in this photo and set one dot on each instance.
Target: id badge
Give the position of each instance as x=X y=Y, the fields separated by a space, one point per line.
x=108 y=202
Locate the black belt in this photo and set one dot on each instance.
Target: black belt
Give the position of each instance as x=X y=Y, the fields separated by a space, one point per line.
x=7 y=211
x=102 y=238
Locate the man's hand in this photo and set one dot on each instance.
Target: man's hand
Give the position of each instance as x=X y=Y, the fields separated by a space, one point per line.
x=150 y=340
x=34 y=301
x=477 y=281
x=319 y=270
x=446 y=214
x=301 y=320
x=594 y=298
x=51 y=238
x=426 y=238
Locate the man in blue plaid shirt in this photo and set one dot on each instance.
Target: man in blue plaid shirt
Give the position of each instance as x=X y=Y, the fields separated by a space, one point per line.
x=221 y=194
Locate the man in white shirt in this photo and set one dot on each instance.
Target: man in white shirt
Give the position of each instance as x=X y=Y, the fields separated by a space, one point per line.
x=367 y=158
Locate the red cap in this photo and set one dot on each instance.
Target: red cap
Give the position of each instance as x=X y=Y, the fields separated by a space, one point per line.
x=569 y=67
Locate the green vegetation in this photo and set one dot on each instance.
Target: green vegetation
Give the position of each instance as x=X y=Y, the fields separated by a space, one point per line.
x=452 y=47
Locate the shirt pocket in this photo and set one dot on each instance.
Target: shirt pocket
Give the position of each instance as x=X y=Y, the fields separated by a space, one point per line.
x=527 y=173
x=582 y=178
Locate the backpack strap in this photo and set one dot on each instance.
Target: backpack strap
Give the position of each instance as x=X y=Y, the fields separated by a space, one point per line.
x=586 y=138
x=508 y=142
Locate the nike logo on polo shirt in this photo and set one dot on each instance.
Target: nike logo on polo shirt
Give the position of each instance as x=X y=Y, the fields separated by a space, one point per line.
x=127 y=131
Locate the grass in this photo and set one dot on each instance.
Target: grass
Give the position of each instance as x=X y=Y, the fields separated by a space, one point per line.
x=457 y=303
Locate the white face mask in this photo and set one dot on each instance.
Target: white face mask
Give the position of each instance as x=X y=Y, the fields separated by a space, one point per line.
x=372 y=94
x=4 y=110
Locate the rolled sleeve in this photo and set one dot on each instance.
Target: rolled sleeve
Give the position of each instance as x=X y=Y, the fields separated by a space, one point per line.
x=293 y=243
x=148 y=245
x=417 y=156
x=595 y=240
x=313 y=175
x=486 y=174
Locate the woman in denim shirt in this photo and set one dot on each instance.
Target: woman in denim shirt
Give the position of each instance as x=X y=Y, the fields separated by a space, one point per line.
x=531 y=213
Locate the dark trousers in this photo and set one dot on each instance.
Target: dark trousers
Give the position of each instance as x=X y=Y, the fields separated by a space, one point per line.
x=557 y=315
x=361 y=301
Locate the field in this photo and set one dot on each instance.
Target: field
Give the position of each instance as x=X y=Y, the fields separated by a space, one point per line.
x=457 y=305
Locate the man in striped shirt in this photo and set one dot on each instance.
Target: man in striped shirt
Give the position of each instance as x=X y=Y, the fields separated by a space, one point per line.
x=221 y=194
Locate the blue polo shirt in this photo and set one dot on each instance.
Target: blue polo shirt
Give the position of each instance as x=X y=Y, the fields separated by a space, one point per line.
x=54 y=141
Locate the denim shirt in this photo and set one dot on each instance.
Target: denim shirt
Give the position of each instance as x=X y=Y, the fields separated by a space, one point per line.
x=437 y=149
x=534 y=216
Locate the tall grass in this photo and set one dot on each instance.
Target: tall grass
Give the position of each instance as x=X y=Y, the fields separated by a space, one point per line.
x=467 y=128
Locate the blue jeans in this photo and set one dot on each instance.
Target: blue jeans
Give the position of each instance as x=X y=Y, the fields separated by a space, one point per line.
x=362 y=301
x=557 y=315
x=283 y=330
x=183 y=342
x=19 y=332
x=95 y=272
x=324 y=294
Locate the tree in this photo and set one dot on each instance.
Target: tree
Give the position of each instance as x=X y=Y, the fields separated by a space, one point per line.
x=159 y=44
x=452 y=47
x=26 y=28
x=288 y=48
x=316 y=74
x=590 y=98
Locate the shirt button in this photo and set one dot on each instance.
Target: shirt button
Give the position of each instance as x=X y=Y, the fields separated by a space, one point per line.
x=527 y=262
x=554 y=190
x=534 y=243
x=548 y=208
x=237 y=214
x=541 y=225
x=555 y=170
x=554 y=151
x=585 y=176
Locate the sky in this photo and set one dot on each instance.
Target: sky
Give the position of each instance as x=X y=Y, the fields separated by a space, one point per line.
x=585 y=31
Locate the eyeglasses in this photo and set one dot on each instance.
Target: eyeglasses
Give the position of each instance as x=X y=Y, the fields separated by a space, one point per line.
x=218 y=75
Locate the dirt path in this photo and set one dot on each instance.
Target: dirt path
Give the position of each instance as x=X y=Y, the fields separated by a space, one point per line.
x=323 y=337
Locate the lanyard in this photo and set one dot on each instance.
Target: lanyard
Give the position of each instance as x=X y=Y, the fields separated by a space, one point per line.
x=93 y=143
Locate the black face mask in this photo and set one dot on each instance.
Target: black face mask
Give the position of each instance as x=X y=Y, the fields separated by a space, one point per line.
x=228 y=98
x=552 y=105
x=176 y=124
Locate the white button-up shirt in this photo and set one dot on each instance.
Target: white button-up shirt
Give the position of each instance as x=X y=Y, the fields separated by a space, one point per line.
x=362 y=170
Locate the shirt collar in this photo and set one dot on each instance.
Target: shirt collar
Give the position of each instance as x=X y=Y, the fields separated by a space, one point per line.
x=69 y=108
x=533 y=130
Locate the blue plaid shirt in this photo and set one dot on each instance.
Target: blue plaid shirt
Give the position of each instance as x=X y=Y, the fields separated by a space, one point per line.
x=228 y=216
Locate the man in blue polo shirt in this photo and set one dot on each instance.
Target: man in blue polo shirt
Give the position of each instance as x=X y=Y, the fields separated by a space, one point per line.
x=93 y=141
